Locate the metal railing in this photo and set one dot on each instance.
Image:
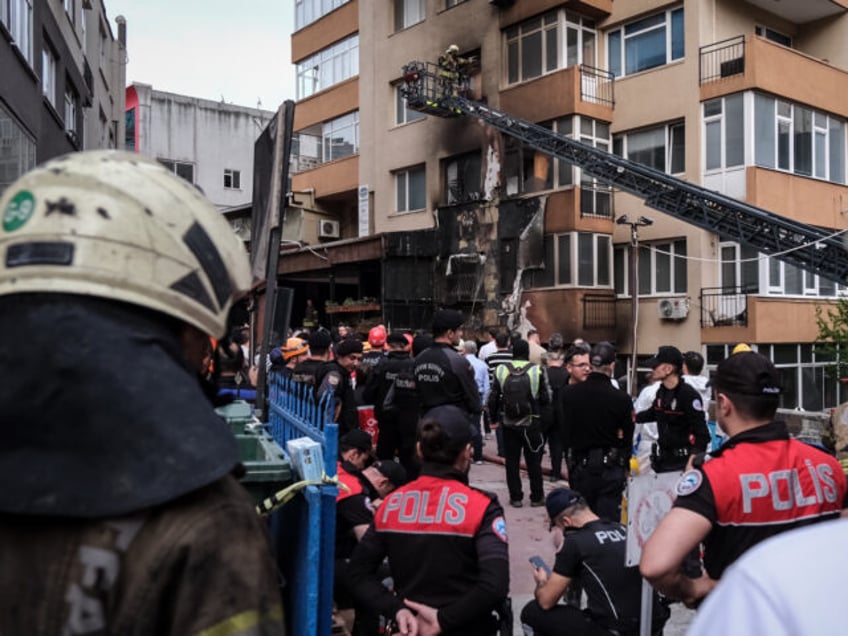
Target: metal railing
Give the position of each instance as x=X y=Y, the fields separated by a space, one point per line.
x=598 y=311
x=597 y=85
x=722 y=59
x=724 y=306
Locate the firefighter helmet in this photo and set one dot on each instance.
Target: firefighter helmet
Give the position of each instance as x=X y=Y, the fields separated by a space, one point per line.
x=453 y=49
x=119 y=226
x=377 y=336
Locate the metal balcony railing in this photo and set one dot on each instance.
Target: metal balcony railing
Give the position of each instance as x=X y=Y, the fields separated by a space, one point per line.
x=724 y=306
x=598 y=311
x=597 y=86
x=722 y=59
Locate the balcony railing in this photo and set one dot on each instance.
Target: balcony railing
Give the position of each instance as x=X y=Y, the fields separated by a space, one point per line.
x=722 y=59
x=597 y=86
x=598 y=311
x=724 y=307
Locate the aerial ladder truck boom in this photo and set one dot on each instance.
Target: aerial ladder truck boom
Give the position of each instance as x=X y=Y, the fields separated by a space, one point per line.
x=811 y=248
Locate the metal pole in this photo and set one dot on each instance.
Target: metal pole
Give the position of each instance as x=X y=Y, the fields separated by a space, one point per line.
x=646 y=616
x=634 y=305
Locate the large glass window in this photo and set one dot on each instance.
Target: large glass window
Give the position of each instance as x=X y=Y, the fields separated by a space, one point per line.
x=340 y=137
x=557 y=39
x=798 y=139
x=307 y=11
x=723 y=126
x=584 y=253
x=595 y=196
x=661 y=268
x=411 y=189
x=16 y=16
x=408 y=12
x=646 y=43
x=328 y=67
x=180 y=168
x=48 y=74
x=17 y=150
x=404 y=115
x=71 y=108
x=662 y=148
x=462 y=178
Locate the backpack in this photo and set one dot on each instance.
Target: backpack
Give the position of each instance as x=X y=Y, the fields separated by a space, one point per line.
x=517 y=397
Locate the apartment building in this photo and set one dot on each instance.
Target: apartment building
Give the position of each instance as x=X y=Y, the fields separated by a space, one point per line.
x=208 y=143
x=742 y=97
x=62 y=81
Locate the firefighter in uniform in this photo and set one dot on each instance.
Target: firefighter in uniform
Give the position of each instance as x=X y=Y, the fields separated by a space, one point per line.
x=599 y=420
x=118 y=512
x=446 y=542
x=678 y=411
x=593 y=552
x=758 y=484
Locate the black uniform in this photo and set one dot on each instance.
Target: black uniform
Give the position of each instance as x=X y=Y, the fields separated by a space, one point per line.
x=442 y=376
x=333 y=376
x=447 y=548
x=552 y=421
x=599 y=428
x=594 y=555
x=679 y=414
x=306 y=371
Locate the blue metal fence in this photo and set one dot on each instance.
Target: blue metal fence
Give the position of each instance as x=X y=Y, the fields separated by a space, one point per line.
x=304 y=530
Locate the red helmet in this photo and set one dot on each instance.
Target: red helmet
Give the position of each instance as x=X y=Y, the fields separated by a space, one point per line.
x=377 y=336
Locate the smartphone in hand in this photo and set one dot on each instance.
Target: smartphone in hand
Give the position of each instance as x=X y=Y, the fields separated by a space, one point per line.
x=539 y=563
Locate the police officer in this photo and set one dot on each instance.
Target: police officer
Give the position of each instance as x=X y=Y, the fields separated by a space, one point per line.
x=118 y=511
x=446 y=542
x=599 y=421
x=381 y=381
x=759 y=483
x=335 y=376
x=678 y=411
x=306 y=371
x=593 y=554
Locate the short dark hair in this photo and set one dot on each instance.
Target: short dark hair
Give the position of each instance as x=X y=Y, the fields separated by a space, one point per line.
x=502 y=339
x=576 y=350
x=521 y=349
x=754 y=407
x=694 y=362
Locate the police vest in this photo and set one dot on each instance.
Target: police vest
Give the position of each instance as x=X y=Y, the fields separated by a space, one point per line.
x=354 y=486
x=431 y=505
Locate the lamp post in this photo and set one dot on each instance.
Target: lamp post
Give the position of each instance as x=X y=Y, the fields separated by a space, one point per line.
x=642 y=221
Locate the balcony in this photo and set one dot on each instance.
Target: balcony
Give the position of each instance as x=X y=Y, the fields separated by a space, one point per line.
x=753 y=63
x=597 y=9
x=599 y=311
x=724 y=307
x=588 y=312
x=583 y=90
x=802 y=11
x=321 y=33
x=328 y=179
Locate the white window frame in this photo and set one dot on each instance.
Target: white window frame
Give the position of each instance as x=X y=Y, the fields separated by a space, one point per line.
x=620 y=143
x=409 y=13
x=17 y=16
x=573 y=261
x=70 y=9
x=49 y=63
x=402 y=181
x=17 y=149
x=335 y=126
x=308 y=11
x=328 y=67
x=773 y=35
x=623 y=36
x=591 y=135
x=669 y=246
x=178 y=167
x=71 y=108
x=404 y=115
x=233 y=177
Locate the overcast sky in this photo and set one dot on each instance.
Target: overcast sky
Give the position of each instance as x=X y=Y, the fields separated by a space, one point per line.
x=240 y=51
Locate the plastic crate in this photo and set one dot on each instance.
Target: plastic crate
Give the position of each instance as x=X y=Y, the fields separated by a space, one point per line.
x=238 y=414
x=268 y=469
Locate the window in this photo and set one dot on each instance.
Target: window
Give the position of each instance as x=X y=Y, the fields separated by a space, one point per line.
x=411 y=189
x=17 y=150
x=585 y=254
x=662 y=148
x=798 y=139
x=340 y=137
x=647 y=43
x=740 y=267
x=595 y=197
x=71 y=107
x=308 y=11
x=408 y=12
x=403 y=115
x=48 y=75
x=661 y=268
x=537 y=46
x=70 y=9
x=129 y=128
x=725 y=139
x=16 y=15
x=452 y=3
x=232 y=179
x=462 y=178
x=774 y=36
x=329 y=66
x=179 y=168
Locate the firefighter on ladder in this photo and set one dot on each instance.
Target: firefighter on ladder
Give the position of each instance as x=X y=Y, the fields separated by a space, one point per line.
x=450 y=71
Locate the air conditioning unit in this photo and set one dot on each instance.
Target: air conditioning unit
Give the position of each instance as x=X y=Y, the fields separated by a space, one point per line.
x=673 y=308
x=328 y=229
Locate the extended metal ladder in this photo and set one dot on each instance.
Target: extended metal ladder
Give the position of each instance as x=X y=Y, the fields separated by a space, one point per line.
x=808 y=247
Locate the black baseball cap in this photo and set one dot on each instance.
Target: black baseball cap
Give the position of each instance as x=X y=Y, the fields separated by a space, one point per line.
x=445 y=319
x=560 y=499
x=456 y=427
x=396 y=338
x=602 y=354
x=667 y=355
x=319 y=341
x=358 y=439
x=747 y=373
x=392 y=471
x=348 y=346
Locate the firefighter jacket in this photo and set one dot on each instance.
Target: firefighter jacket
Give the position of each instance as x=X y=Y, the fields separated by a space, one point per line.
x=758 y=484
x=447 y=548
x=442 y=376
x=200 y=565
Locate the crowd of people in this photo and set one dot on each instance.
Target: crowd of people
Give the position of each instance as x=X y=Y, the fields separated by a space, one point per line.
x=121 y=511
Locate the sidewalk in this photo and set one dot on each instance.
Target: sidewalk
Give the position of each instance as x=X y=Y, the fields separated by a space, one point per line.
x=529 y=536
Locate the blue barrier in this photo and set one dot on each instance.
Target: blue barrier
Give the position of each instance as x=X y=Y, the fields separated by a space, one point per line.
x=304 y=530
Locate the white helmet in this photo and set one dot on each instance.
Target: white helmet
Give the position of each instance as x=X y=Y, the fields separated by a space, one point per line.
x=120 y=226
x=453 y=48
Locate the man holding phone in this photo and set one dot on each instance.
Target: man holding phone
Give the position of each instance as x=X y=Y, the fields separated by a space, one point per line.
x=593 y=553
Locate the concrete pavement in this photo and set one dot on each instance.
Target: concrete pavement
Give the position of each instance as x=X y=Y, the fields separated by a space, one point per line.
x=528 y=536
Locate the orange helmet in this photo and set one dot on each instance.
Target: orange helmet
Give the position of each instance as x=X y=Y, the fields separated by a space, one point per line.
x=377 y=336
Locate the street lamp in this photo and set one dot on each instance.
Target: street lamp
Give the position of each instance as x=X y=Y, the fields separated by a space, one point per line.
x=642 y=221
